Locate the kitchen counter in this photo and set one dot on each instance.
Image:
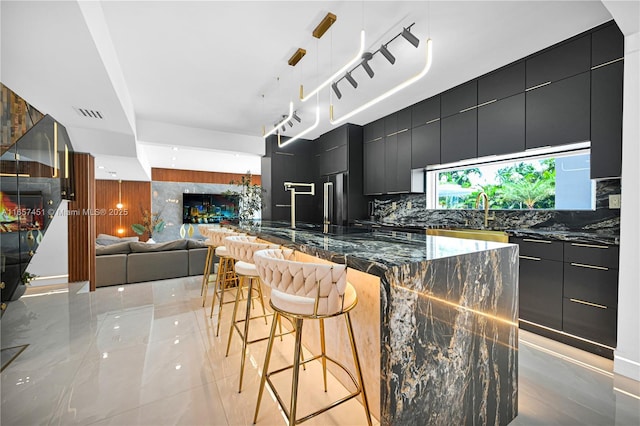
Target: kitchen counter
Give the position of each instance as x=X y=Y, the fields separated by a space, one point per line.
x=448 y=312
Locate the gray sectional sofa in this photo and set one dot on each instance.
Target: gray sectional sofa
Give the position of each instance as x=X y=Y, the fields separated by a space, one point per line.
x=126 y=262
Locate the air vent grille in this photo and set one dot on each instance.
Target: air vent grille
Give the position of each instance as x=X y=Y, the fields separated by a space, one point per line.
x=89 y=113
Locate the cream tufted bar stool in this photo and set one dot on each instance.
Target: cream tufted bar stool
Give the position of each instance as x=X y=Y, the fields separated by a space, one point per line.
x=242 y=248
x=307 y=291
x=208 y=261
x=226 y=278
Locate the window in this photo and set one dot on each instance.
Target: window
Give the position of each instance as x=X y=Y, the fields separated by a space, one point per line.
x=553 y=181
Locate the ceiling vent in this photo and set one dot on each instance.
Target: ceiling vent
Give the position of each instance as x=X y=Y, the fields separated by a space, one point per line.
x=89 y=113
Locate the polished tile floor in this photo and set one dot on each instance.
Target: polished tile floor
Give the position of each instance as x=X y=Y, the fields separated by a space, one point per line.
x=146 y=354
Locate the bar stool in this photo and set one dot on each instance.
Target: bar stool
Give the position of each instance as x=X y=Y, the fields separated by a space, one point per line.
x=307 y=291
x=242 y=248
x=208 y=262
x=214 y=241
x=226 y=278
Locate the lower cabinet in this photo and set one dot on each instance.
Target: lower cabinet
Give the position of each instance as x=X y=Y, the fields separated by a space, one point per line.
x=571 y=288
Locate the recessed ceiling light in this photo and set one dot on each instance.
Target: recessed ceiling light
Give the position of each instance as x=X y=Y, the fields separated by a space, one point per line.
x=101 y=167
x=173 y=165
x=175 y=148
x=173 y=158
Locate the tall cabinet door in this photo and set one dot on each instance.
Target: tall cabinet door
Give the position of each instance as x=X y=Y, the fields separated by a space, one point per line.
x=374 y=175
x=425 y=145
x=501 y=126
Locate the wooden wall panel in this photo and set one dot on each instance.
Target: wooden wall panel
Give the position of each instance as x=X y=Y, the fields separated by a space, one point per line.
x=136 y=196
x=175 y=175
x=82 y=222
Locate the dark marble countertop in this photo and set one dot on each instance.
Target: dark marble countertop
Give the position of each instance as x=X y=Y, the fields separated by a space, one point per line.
x=594 y=237
x=369 y=250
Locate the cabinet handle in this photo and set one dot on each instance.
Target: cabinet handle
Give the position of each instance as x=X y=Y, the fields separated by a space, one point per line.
x=529 y=240
x=487 y=103
x=529 y=257
x=283 y=205
x=595 y=305
x=432 y=121
x=331 y=149
x=376 y=139
x=468 y=109
x=399 y=131
x=284 y=153
x=607 y=63
x=538 y=86
x=589 y=245
x=582 y=265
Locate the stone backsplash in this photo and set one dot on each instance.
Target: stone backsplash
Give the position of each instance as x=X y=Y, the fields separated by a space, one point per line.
x=601 y=220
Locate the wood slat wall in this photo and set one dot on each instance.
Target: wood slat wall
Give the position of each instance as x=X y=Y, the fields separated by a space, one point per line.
x=136 y=196
x=175 y=175
x=82 y=226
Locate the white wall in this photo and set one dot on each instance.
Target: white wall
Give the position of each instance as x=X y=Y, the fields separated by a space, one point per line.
x=51 y=258
x=627 y=354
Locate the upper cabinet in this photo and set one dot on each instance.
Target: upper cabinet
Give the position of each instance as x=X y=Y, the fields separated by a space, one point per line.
x=502 y=83
x=501 y=126
x=425 y=145
x=459 y=125
x=559 y=113
x=459 y=99
x=374 y=130
x=556 y=63
x=334 y=154
x=607 y=44
x=426 y=111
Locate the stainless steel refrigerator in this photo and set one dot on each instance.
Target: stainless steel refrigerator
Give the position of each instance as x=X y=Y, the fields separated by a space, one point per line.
x=334 y=199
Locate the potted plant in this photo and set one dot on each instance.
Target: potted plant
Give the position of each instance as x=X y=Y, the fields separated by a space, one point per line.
x=151 y=223
x=250 y=198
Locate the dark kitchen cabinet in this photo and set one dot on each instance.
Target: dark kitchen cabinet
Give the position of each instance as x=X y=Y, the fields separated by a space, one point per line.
x=333 y=156
x=590 y=322
x=459 y=137
x=404 y=119
x=541 y=275
x=374 y=166
x=374 y=130
x=500 y=84
x=459 y=98
x=606 y=120
x=403 y=176
x=559 y=62
x=501 y=126
x=425 y=145
x=425 y=111
x=607 y=44
x=391 y=163
x=559 y=113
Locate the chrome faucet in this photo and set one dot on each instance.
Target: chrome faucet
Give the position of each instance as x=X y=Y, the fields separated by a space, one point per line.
x=485 y=197
x=291 y=186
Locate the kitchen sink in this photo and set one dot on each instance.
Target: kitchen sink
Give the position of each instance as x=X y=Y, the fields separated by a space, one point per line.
x=471 y=234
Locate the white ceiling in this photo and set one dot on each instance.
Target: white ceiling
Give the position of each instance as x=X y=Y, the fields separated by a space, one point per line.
x=192 y=75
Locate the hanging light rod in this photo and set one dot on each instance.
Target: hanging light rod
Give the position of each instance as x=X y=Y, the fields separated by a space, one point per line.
x=281 y=123
x=324 y=25
x=304 y=132
x=330 y=80
x=388 y=93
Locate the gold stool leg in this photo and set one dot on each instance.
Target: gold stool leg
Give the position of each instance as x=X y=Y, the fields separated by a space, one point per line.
x=233 y=318
x=356 y=360
x=207 y=270
x=245 y=337
x=324 y=357
x=296 y=373
x=267 y=358
x=264 y=312
x=216 y=284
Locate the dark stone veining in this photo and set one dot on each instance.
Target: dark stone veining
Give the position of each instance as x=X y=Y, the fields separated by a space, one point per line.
x=601 y=225
x=449 y=335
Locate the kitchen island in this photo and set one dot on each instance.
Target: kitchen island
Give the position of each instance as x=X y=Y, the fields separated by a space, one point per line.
x=446 y=320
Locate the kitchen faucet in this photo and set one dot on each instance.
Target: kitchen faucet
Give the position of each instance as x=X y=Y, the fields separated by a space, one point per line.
x=485 y=197
x=291 y=186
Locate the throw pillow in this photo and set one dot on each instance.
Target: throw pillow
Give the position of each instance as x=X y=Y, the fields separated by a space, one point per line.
x=169 y=245
x=115 y=248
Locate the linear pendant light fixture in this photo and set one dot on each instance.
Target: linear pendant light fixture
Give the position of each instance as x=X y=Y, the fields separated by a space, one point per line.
x=328 y=81
x=281 y=123
x=304 y=132
x=388 y=93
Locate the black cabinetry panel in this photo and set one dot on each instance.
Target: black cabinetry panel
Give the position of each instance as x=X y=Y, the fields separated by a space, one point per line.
x=540 y=292
x=425 y=111
x=606 y=120
x=374 y=165
x=607 y=44
x=374 y=130
x=563 y=61
x=404 y=119
x=502 y=83
x=403 y=177
x=459 y=98
x=501 y=126
x=590 y=322
x=425 y=145
x=597 y=286
x=543 y=249
x=459 y=137
x=390 y=163
x=592 y=254
x=559 y=113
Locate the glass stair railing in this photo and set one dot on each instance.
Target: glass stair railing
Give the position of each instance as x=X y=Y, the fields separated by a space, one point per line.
x=36 y=173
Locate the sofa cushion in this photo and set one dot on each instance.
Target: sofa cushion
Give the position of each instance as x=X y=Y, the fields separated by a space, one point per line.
x=111 y=270
x=157 y=265
x=106 y=239
x=116 y=248
x=193 y=244
x=169 y=245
